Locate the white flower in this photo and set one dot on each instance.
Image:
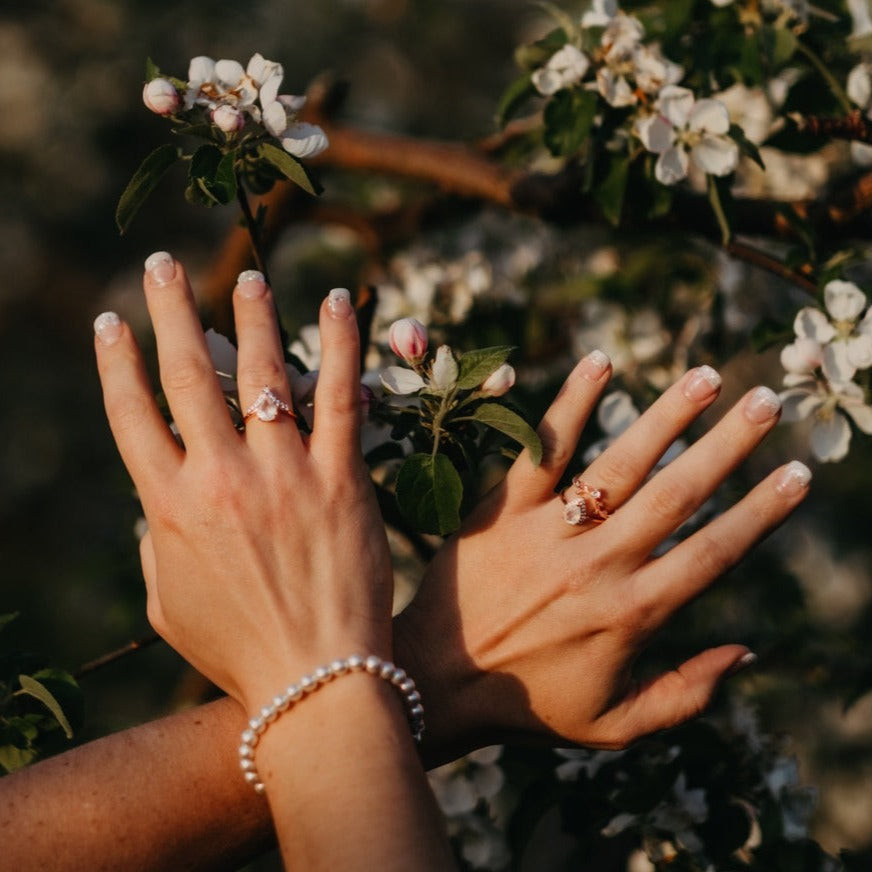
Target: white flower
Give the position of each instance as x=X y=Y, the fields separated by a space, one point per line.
x=459 y=786
x=859 y=85
x=161 y=97
x=830 y=405
x=600 y=14
x=582 y=760
x=401 y=381
x=861 y=18
x=565 y=67
x=686 y=129
x=499 y=381
x=297 y=137
x=845 y=337
x=228 y=118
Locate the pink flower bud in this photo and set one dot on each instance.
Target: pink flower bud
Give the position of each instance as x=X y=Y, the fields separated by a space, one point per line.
x=408 y=339
x=499 y=381
x=161 y=97
x=227 y=118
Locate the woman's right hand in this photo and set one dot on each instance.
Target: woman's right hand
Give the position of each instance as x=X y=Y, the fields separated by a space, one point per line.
x=527 y=628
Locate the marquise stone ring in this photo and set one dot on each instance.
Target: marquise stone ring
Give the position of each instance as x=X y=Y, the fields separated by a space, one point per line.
x=267 y=407
x=586 y=506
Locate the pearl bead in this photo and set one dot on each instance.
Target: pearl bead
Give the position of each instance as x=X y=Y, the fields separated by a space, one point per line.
x=339 y=667
x=373 y=665
x=355 y=662
x=323 y=674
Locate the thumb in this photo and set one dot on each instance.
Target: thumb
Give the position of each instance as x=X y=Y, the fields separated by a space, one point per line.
x=679 y=695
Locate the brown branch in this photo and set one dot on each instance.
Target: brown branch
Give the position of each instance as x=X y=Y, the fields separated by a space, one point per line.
x=115 y=656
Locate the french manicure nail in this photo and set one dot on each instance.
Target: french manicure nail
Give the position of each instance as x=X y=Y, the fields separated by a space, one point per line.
x=161 y=267
x=743 y=662
x=762 y=405
x=251 y=284
x=339 y=302
x=701 y=383
x=594 y=365
x=108 y=328
x=794 y=479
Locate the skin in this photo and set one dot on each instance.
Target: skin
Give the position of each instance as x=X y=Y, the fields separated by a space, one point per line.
x=525 y=629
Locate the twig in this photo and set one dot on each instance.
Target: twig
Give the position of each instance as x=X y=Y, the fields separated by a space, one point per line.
x=114 y=656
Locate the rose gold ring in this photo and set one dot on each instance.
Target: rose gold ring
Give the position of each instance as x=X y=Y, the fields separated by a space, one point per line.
x=586 y=507
x=267 y=407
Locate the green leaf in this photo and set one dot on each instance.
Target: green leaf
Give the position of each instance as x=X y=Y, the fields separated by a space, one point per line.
x=513 y=98
x=747 y=147
x=477 y=365
x=569 y=117
x=429 y=493
x=780 y=44
x=534 y=55
x=291 y=168
x=12 y=758
x=211 y=177
x=38 y=690
x=611 y=190
x=144 y=181
x=512 y=425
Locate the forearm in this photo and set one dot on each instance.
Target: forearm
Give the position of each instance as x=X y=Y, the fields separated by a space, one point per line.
x=346 y=786
x=165 y=795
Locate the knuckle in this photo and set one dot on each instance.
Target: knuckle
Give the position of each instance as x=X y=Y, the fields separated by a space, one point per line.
x=672 y=499
x=617 y=467
x=713 y=556
x=186 y=374
x=126 y=412
x=264 y=372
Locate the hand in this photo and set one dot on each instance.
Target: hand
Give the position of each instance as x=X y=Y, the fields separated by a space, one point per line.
x=532 y=625
x=266 y=555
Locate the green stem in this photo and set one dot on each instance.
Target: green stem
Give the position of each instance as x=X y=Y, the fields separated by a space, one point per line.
x=718 y=208
x=829 y=78
x=252 y=227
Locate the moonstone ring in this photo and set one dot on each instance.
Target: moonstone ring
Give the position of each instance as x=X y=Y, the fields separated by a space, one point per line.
x=267 y=407
x=587 y=506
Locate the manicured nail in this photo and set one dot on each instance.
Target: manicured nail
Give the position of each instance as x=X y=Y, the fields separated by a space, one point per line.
x=594 y=365
x=762 y=405
x=701 y=383
x=743 y=662
x=251 y=284
x=794 y=479
x=339 y=302
x=108 y=328
x=161 y=267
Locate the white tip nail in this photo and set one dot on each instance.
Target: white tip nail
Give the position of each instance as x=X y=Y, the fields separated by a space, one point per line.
x=795 y=478
x=250 y=275
x=107 y=327
x=157 y=258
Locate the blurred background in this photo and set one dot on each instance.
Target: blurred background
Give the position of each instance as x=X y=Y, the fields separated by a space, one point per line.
x=72 y=131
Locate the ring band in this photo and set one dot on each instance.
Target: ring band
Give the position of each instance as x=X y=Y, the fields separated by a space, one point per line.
x=267 y=407
x=587 y=507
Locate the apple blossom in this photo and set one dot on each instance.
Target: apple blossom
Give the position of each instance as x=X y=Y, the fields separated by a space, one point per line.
x=600 y=14
x=228 y=118
x=565 y=67
x=685 y=129
x=408 y=340
x=444 y=371
x=161 y=97
x=499 y=381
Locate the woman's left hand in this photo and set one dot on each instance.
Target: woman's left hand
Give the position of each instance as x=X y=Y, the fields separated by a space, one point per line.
x=266 y=554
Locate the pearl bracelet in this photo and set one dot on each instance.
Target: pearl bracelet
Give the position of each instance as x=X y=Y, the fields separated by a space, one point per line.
x=309 y=684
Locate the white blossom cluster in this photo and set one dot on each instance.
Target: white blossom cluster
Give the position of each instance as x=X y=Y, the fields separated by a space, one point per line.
x=232 y=94
x=627 y=72
x=831 y=347
x=786 y=11
x=467 y=791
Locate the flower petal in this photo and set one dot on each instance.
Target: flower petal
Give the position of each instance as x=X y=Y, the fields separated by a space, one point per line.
x=860 y=350
x=671 y=166
x=229 y=73
x=716 y=155
x=798 y=403
x=831 y=438
x=304 y=140
x=676 y=104
x=275 y=119
x=813 y=324
x=802 y=356
x=859 y=86
x=836 y=365
x=860 y=413
x=655 y=132
x=402 y=381
x=201 y=69
x=844 y=300
x=710 y=116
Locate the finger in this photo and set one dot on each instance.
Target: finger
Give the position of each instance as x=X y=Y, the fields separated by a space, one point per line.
x=625 y=464
x=678 y=490
x=674 y=697
x=560 y=429
x=260 y=364
x=336 y=427
x=689 y=568
x=186 y=370
x=147 y=446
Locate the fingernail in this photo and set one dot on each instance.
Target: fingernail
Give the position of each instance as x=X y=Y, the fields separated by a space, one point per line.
x=794 y=479
x=161 y=267
x=742 y=663
x=594 y=365
x=701 y=383
x=339 y=302
x=251 y=284
x=762 y=405
x=108 y=328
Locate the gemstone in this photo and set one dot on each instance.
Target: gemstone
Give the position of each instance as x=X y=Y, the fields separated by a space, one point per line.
x=575 y=512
